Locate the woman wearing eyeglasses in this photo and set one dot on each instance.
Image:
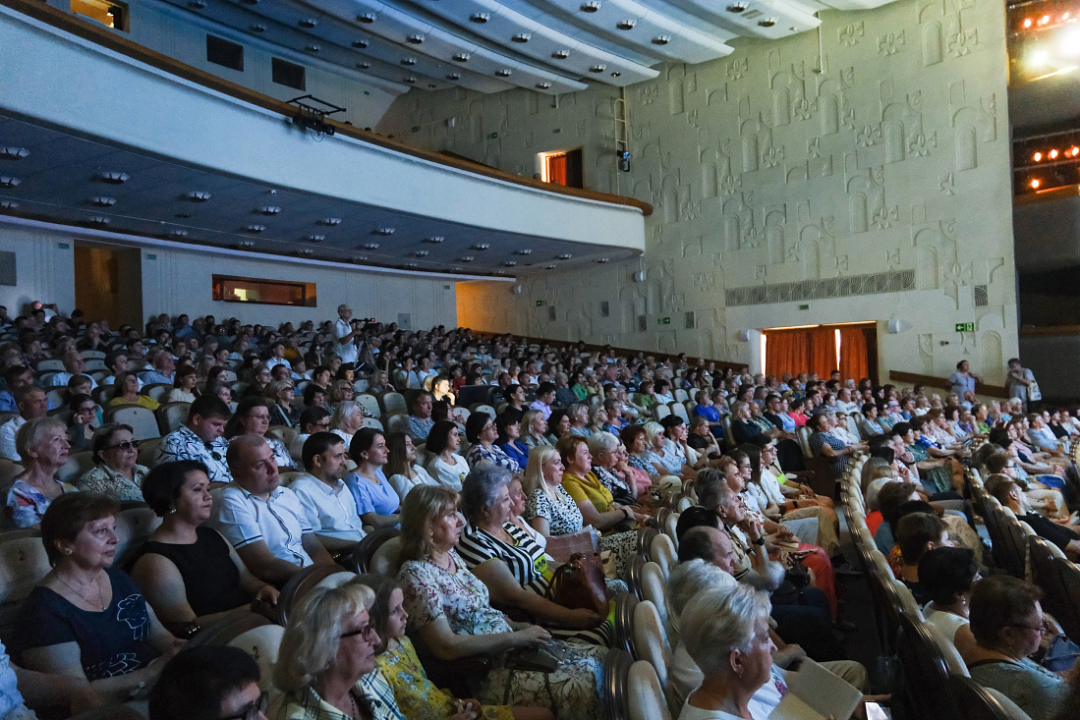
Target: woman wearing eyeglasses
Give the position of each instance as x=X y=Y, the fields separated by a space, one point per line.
x=326 y=661
x=116 y=472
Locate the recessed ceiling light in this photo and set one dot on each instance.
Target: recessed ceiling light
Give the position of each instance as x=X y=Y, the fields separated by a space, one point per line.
x=184 y=233
x=522 y=38
x=509 y=263
x=543 y=86
x=314 y=238
x=371 y=246
x=410 y=79
x=737 y=7
x=616 y=74
x=415 y=39
x=308 y=23
x=481 y=246
x=360 y=44
x=257 y=28
x=408 y=62
x=597 y=68
x=113 y=177
x=9 y=181
x=411 y=265
x=767 y=22
x=13 y=153
x=305 y=251
x=560 y=54
x=590 y=7
x=661 y=40
x=461 y=57
x=269 y=210
x=102 y=201
x=504 y=72
x=98 y=220
x=626 y=24
x=255 y=229
x=550 y=267
x=421 y=253
x=329 y=222
x=312 y=48
x=8 y=204
x=383 y=231
x=366 y=18
x=602 y=261
x=479 y=18
x=523 y=251
x=360 y=258
x=434 y=239
x=466 y=258
x=432 y=85
x=243 y=244
x=566 y=256
x=197 y=196
x=453 y=76
x=363 y=65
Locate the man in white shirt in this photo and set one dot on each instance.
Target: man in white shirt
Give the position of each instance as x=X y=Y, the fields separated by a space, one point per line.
x=74 y=364
x=118 y=363
x=545 y=397
x=200 y=439
x=32 y=404
x=346 y=336
x=844 y=403
x=277 y=356
x=264 y=521
x=328 y=504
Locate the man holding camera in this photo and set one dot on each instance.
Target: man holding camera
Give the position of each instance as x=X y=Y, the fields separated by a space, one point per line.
x=348 y=335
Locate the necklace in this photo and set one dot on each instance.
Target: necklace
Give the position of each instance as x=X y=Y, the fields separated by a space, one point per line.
x=355 y=709
x=101 y=597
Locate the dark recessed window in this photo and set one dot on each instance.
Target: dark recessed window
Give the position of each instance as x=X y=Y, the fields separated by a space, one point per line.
x=287 y=73
x=228 y=288
x=223 y=52
x=110 y=14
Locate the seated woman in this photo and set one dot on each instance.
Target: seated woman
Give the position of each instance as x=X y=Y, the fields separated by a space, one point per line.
x=824 y=443
x=86 y=619
x=1041 y=497
x=636 y=441
x=534 y=429
x=653 y=458
x=676 y=449
x=346 y=419
x=558 y=426
x=376 y=500
x=184 y=383
x=578 y=413
x=938 y=472
x=260 y=379
x=252 y=417
x=190 y=574
x=606 y=461
x=454 y=617
x=126 y=392
x=700 y=438
x=447 y=467
x=116 y=471
x=283 y=412
x=43 y=446
x=598 y=419
x=512 y=565
x=744 y=429
x=396 y=659
x=326 y=660
x=482 y=433
x=1008 y=624
x=509 y=429
x=947 y=576
x=401 y=469
x=84 y=421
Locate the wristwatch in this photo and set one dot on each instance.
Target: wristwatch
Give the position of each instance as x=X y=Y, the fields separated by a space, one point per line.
x=759 y=541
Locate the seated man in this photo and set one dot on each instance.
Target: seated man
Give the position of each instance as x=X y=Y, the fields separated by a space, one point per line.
x=1010 y=495
x=916 y=533
x=545 y=398
x=162 y=368
x=74 y=364
x=207 y=683
x=200 y=438
x=117 y=362
x=32 y=404
x=420 y=421
x=327 y=502
x=705 y=410
x=16 y=376
x=263 y=521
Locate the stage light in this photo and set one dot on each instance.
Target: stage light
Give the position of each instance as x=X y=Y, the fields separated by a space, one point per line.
x=1037 y=157
x=1035 y=184
x=1075 y=151
x=1045 y=19
x=1053 y=154
x=1039 y=58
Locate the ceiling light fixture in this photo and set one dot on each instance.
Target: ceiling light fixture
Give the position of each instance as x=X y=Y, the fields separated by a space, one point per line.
x=312 y=48
x=461 y=57
x=198 y=196
x=601 y=261
x=366 y=18
x=543 y=86
x=597 y=68
x=523 y=251
x=360 y=44
x=434 y=239
x=509 y=263
x=453 y=76
x=661 y=40
x=550 y=267
x=616 y=74
x=466 y=258
x=737 y=7
x=560 y=54
x=305 y=251
x=411 y=265
x=421 y=253
x=409 y=79
x=8 y=204
x=254 y=229
x=329 y=222
x=408 y=62
x=480 y=18
x=590 y=7
x=314 y=238
x=504 y=72
x=565 y=256
x=245 y=244
x=308 y=23
x=97 y=220
x=114 y=178
x=269 y=210
x=383 y=231
x=371 y=246
x=626 y=24
x=522 y=38
x=102 y=201
x=767 y=22
x=184 y=233
x=360 y=258
x=481 y=246
x=415 y=39
x=13 y=153
x=257 y=28
x=9 y=181
x=363 y=65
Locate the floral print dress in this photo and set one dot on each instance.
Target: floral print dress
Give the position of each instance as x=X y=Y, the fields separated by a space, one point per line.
x=571 y=691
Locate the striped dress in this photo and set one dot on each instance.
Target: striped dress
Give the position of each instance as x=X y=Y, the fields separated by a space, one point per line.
x=530 y=566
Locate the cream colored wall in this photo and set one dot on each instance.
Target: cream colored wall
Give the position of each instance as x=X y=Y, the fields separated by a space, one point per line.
x=767 y=168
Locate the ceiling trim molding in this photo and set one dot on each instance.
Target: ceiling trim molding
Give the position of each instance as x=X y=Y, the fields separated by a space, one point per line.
x=107 y=237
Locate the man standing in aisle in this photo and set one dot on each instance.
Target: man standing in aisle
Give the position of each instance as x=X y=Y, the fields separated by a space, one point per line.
x=346 y=336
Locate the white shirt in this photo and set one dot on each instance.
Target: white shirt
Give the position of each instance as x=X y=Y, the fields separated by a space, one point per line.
x=8 y=431
x=61 y=379
x=771 y=486
x=184 y=444
x=274 y=362
x=449 y=476
x=684 y=677
x=331 y=511
x=947 y=623
x=402 y=485
x=280 y=522
x=347 y=352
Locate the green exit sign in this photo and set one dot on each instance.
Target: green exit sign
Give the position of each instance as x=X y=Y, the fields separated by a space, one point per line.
x=665 y=321
x=965 y=327
x=804 y=307
x=541 y=303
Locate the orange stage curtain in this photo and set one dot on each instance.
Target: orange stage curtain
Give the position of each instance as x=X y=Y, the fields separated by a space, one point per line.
x=787 y=352
x=556 y=169
x=853 y=360
x=822 y=358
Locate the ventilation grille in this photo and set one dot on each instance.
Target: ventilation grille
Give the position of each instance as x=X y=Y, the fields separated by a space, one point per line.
x=404 y=321
x=839 y=287
x=551 y=313
x=7 y=269
x=982 y=296
x=691 y=320
x=605 y=309
x=642 y=323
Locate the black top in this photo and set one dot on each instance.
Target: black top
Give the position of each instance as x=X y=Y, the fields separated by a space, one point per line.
x=513 y=412
x=1057 y=534
x=211 y=578
x=112 y=643
x=745 y=431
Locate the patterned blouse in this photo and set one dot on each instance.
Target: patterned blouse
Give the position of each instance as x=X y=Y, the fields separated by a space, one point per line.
x=103 y=479
x=839 y=463
x=494 y=455
x=372 y=693
x=562 y=514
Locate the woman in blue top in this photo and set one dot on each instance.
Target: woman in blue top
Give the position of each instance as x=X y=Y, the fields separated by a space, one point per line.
x=376 y=501
x=509 y=428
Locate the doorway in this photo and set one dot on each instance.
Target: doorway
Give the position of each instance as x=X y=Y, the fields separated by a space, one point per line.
x=850 y=348
x=563 y=168
x=108 y=284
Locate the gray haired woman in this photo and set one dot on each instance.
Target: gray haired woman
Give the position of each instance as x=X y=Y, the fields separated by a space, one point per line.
x=604 y=448
x=578 y=413
x=511 y=563
x=346 y=419
x=43 y=446
x=732 y=647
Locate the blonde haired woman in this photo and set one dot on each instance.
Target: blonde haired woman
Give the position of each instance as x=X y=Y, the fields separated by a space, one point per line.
x=326 y=661
x=452 y=614
x=534 y=429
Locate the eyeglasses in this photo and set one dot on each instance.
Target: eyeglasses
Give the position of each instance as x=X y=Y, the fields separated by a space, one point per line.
x=367 y=631
x=251 y=712
x=125 y=445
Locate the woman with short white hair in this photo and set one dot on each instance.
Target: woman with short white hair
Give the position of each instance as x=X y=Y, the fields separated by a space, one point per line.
x=732 y=647
x=604 y=448
x=346 y=419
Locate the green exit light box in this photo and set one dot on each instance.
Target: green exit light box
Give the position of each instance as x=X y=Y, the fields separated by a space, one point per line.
x=965 y=327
